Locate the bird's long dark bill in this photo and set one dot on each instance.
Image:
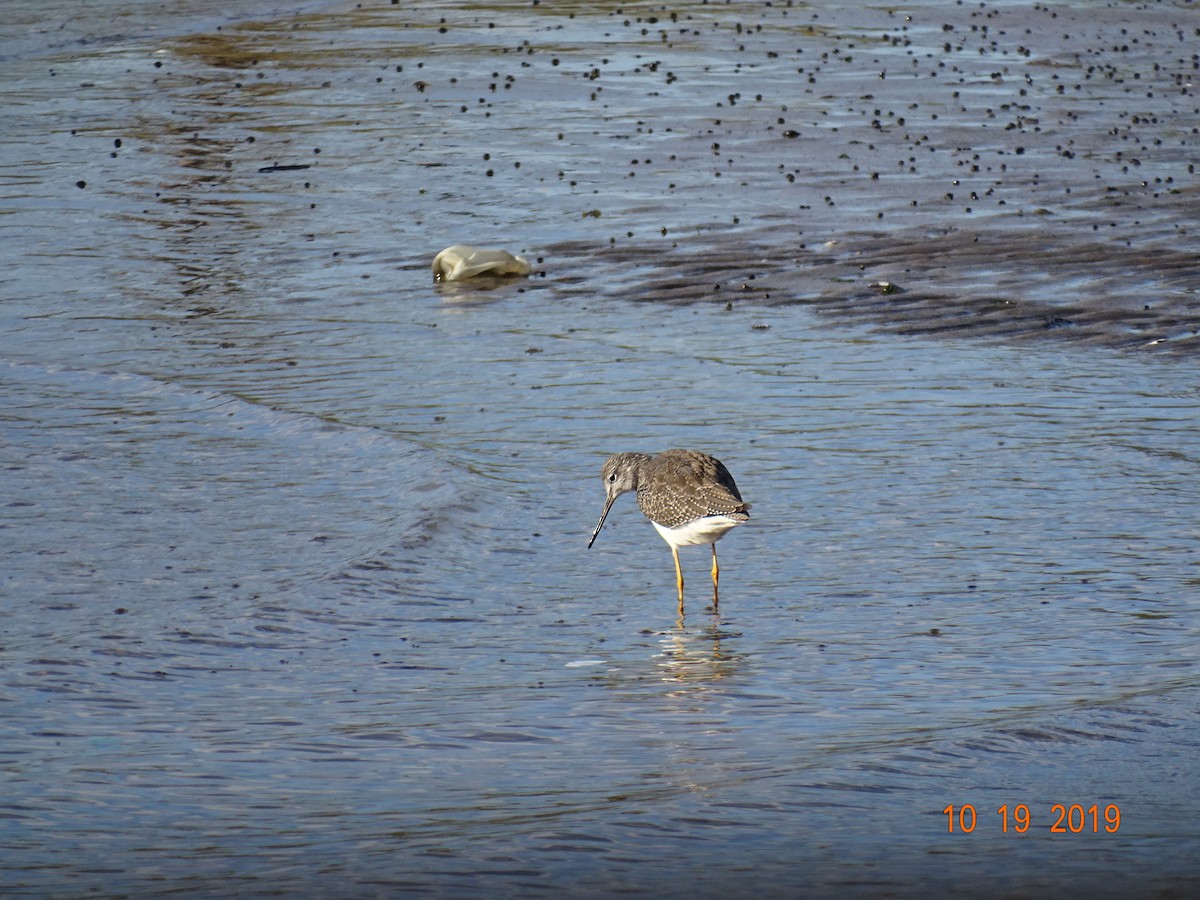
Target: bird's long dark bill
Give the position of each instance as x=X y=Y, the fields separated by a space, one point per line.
x=600 y=524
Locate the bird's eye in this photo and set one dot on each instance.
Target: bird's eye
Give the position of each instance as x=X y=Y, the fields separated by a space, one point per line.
x=612 y=477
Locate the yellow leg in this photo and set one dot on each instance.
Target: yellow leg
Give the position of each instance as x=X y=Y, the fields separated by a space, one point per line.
x=678 y=575
x=716 y=571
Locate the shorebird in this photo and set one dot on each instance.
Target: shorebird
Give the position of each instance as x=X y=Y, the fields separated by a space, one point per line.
x=689 y=497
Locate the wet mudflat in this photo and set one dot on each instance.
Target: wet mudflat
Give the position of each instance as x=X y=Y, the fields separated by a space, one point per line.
x=296 y=589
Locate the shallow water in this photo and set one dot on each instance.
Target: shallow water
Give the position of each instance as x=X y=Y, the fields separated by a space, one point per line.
x=294 y=540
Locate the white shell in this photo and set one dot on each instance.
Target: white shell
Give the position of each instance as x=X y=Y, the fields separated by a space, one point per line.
x=463 y=261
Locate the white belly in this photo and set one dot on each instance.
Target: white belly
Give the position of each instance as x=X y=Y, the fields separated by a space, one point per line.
x=706 y=530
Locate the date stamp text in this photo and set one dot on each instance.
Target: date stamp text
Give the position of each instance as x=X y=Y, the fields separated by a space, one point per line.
x=1063 y=818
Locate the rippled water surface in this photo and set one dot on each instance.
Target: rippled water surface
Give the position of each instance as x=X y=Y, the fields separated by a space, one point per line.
x=296 y=589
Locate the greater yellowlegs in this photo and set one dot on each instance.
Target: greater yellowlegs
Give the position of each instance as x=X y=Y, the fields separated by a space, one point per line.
x=689 y=497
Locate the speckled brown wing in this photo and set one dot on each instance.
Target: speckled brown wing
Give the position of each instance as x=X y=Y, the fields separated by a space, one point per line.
x=679 y=486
